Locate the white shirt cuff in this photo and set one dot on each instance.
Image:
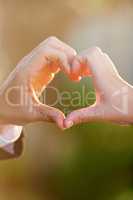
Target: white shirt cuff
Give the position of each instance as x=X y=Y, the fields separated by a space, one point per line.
x=9 y=134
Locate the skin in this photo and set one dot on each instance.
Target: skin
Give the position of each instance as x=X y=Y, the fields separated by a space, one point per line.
x=36 y=70
x=114 y=96
x=30 y=77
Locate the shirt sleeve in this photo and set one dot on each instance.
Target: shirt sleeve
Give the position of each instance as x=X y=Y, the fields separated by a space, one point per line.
x=9 y=134
x=12 y=150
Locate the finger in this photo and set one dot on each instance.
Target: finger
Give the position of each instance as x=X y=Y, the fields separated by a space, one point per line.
x=50 y=114
x=62 y=47
x=81 y=65
x=89 y=114
x=56 y=44
x=45 y=66
x=79 y=68
x=100 y=66
x=86 y=61
x=50 y=43
x=51 y=58
x=56 y=60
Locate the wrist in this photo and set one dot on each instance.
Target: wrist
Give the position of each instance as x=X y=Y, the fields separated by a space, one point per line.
x=127 y=103
x=3 y=107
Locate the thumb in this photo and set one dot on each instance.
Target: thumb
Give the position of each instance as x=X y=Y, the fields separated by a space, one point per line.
x=50 y=114
x=89 y=114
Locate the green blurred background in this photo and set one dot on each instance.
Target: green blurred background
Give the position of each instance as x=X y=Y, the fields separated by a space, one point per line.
x=91 y=161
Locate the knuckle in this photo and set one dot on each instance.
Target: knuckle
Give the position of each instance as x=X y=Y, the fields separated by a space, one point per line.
x=90 y=53
x=95 y=50
x=77 y=61
x=61 y=57
x=52 y=39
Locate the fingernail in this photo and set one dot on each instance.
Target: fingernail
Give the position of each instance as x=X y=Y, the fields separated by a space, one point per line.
x=69 y=124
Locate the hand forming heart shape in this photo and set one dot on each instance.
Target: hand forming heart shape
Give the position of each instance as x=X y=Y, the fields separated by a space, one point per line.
x=36 y=70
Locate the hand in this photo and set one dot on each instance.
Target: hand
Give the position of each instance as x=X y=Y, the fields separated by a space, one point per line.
x=19 y=93
x=113 y=95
